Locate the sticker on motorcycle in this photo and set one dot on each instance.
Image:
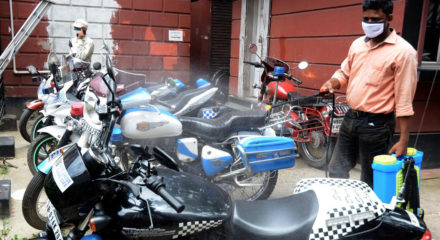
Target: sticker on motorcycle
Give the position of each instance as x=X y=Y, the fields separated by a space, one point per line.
x=53 y=221
x=413 y=218
x=60 y=175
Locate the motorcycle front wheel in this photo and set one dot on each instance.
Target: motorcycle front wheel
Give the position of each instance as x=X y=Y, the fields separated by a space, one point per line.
x=28 y=119
x=39 y=150
x=34 y=202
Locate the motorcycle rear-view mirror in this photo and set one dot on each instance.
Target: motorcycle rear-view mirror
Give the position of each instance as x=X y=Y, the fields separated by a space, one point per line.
x=253 y=48
x=303 y=65
x=32 y=69
x=70 y=44
x=53 y=59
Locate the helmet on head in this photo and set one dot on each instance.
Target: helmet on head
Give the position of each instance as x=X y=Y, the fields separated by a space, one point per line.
x=80 y=23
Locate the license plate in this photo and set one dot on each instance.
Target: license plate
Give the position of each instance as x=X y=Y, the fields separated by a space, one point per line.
x=336 y=124
x=53 y=221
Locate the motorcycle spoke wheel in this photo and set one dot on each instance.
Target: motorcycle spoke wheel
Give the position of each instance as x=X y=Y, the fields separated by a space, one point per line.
x=37 y=125
x=34 y=202
x=27 y=121
x=257 y=186
x=39 y=150
x=314 y=152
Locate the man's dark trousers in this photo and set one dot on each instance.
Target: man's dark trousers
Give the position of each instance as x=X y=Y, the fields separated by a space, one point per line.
x=362 y=136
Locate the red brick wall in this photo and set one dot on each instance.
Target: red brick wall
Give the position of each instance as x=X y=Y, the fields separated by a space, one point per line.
x=319 y=32
x=140 y=38
x=235 y=47
x=30 y=53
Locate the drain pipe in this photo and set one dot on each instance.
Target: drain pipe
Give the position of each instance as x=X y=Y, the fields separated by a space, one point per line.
x=14 y=65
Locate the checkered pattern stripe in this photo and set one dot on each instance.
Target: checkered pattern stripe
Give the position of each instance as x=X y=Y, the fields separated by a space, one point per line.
x=339 y=230
x=308 y=183
x=208 y=114
x=190 y=228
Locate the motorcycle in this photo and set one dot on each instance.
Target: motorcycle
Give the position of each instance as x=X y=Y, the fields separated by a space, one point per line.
x=160 y=202
x=69 y=68
x=311 y=125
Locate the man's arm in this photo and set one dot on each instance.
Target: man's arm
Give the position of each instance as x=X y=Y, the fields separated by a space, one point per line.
x=339 y=78
x=400 y=147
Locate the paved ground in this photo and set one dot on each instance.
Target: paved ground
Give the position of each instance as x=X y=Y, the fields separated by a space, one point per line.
x=430 y=189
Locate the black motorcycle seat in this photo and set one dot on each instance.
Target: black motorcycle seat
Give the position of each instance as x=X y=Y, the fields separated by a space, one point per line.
x=183 y=97
x=221 y=127
x=300 y=100
x=283 y=218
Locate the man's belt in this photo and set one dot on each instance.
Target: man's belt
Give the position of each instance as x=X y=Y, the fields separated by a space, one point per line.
x=361 y=114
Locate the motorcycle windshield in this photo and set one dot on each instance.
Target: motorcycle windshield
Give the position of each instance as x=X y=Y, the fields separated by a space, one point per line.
x=271 y=62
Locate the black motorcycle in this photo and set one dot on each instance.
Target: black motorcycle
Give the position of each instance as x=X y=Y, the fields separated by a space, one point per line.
x=156 y=201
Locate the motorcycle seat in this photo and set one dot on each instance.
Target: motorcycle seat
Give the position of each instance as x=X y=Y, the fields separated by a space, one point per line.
x=183 y=97
x=300 y=100
x=221 y=127
x=290 y=217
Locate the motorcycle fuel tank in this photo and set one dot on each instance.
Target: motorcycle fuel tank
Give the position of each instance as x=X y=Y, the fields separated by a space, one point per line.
x=206 y=206
x=283 y=89
x=149 y=122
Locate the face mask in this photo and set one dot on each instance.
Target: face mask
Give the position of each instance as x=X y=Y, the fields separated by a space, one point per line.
x=373 y=30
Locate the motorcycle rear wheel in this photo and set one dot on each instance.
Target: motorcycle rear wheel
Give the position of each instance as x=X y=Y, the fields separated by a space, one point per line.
x=39 y=149
x=266 y=180
x=314 y=152
x=34 y=202
x=27 y=122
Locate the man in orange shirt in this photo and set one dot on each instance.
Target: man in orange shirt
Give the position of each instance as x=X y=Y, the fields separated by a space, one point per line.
x=380 y=73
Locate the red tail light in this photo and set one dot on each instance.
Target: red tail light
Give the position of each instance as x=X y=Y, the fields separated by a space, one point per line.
x=427 y=235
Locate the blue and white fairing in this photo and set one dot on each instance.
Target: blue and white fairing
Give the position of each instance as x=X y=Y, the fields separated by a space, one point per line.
x=344 y=205
x=135 y=98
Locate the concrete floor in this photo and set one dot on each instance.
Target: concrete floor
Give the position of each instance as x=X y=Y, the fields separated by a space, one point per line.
x=20 y=176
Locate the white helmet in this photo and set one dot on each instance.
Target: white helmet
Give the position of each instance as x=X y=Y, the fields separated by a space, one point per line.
x=80 y=23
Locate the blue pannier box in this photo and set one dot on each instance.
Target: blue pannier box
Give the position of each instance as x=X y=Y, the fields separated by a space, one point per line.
x=265 y=153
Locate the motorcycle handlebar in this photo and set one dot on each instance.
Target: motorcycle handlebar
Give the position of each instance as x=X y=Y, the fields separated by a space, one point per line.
x=172 y=201
x=318 y=94
x=255 y=64
x=290 y=77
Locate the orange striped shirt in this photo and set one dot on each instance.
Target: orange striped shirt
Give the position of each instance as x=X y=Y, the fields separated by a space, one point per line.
x=380 y=79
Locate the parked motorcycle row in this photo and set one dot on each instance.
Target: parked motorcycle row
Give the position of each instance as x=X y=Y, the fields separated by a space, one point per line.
x=127 y=159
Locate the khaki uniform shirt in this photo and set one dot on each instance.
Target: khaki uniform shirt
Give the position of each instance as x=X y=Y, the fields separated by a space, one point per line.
x=83 y=48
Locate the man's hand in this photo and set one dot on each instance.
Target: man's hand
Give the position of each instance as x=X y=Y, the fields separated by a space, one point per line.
x=399 y=148
x=330 y=85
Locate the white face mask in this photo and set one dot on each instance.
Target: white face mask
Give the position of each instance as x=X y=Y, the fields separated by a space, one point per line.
x=373 y=30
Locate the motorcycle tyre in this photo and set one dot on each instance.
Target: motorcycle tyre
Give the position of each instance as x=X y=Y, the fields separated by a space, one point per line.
x=29 y=204
x=267 y=191
x=318 y=163
x=38 y=124
x=24 y=119
x=30 y=154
